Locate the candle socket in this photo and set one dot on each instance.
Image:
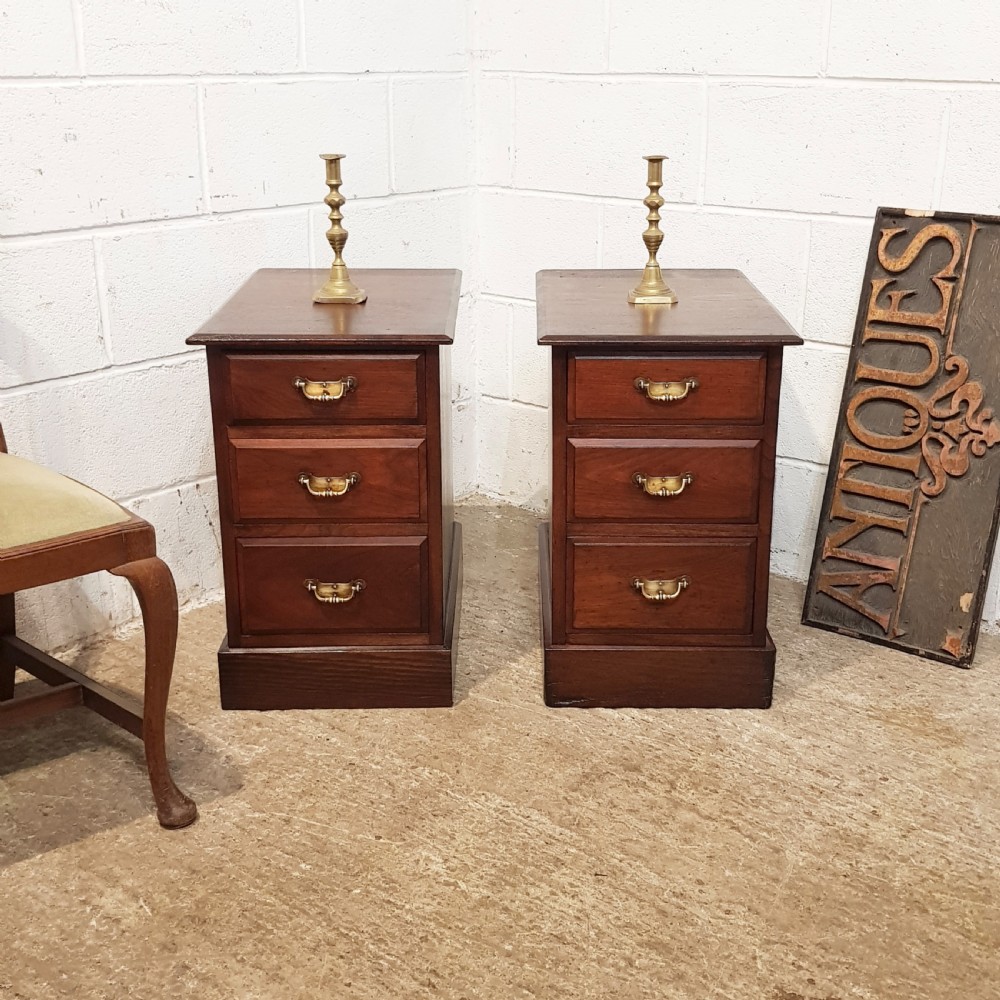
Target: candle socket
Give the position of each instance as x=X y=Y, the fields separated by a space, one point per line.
x=338 y=287
x=652 y=289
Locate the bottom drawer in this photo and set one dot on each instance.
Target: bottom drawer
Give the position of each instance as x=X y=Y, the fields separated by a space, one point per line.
x=332 y=585
x=683 y=586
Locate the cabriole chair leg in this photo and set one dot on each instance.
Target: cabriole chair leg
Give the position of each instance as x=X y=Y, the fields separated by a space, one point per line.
x=154 y=587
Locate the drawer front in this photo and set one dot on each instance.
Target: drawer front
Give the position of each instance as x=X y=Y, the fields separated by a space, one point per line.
x=343 y=479
x=718 y=596
x=391 y=575
x=671 y=481
x=359 y=388
x=672 y=388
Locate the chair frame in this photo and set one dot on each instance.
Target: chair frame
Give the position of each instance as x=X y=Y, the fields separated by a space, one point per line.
x=126 y=549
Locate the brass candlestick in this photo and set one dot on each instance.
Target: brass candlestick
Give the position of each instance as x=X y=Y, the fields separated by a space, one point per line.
x=652 y=289
x=338 y=287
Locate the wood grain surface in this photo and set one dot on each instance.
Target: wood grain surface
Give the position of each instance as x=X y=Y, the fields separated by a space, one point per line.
x=386 y=388
x=390 y=472
x=719 y=597
x=716 y=308
x=274 y=599
x=730 y=388
x=394 y=528
x=274 y=309
x=605 y=643
x=725 y=478
x=340 y=675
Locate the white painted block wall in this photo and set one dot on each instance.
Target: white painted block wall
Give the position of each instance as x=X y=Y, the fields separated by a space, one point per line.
x=153 y=155
x=787 y=123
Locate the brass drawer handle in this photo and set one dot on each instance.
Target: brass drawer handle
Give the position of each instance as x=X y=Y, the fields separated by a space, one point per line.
x=328 y=486
x=663 y=486
x=661 y=590
x=325 y=392
x=665 y=392
x=334 y=593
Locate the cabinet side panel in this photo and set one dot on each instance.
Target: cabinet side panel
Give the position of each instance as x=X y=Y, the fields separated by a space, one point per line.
x=219 y=393
x=557 y=504
x=767 y=472
x=436 y=491
x=447 y=458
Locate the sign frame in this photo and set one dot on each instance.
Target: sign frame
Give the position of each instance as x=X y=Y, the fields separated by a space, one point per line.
x=906 y=439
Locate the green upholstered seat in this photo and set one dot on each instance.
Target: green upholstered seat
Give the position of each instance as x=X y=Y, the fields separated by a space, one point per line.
x=37 y=505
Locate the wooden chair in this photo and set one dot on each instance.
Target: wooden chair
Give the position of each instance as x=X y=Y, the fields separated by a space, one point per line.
x=51 y=529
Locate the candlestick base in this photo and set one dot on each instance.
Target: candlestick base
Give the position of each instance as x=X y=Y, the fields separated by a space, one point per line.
x=652 y=290
x=339 y=288
x=652 y=300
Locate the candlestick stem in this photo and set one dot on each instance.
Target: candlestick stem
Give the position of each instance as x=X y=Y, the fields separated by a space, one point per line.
x=652 y=289
x=338 y=287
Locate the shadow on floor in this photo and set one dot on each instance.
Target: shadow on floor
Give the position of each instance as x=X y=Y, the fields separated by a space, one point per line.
x=70 y=776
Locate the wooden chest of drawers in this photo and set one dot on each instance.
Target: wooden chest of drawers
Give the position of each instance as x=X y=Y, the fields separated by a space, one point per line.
x=654 y=570
x=342 y=561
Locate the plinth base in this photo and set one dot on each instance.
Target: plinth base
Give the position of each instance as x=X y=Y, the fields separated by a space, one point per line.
x=578 y=676
x=348 y=676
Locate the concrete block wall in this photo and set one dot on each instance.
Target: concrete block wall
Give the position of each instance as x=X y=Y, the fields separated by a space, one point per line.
x=151 y=157
x=787 y=123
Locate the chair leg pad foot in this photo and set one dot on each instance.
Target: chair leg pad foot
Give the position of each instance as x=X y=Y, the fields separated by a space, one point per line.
x=177 y=814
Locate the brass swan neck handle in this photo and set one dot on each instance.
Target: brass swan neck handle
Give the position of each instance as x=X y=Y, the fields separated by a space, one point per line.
x=328 y=486
x=666 y=392
x=325 y=392
x=661 y=590
x=663 y=486
x=334 y=593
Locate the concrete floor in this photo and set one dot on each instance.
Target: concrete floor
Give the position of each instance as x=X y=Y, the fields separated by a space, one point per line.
x=843 y=844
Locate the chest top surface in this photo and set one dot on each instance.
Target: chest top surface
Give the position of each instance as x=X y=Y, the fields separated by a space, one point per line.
x=715 y=309
x=274 y=308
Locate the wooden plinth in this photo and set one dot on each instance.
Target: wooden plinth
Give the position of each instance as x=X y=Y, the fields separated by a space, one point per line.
x=646 y=676
x=348 y=676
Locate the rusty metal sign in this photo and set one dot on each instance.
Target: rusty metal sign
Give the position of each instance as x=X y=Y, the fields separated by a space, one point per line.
x=909 y=518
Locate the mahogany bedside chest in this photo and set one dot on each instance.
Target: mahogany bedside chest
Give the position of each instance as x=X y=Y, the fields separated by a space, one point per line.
x=342 y=561
x=654 y=571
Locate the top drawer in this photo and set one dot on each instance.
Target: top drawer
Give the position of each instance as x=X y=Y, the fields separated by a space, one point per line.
x=668 y=388
x=326 y=388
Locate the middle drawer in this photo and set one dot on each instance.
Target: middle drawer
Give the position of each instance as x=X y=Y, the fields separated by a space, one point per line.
x=317 y=479
x=687 y=480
